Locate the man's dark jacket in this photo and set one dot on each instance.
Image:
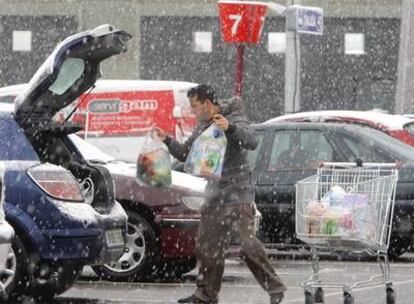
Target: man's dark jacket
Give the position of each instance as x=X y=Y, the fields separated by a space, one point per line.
x=235 y=185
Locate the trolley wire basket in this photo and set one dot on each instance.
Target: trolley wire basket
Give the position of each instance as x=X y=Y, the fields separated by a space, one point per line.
x=347 y=207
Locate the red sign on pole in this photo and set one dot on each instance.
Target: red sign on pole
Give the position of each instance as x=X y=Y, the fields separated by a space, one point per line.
x=242 y=21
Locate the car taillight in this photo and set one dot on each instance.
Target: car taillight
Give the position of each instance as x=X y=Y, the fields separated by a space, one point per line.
x=56 y=182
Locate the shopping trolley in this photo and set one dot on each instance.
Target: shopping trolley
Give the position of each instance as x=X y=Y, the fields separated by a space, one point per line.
x=347 y=207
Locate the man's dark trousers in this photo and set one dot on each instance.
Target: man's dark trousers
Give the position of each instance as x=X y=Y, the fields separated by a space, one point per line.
x=217 y=226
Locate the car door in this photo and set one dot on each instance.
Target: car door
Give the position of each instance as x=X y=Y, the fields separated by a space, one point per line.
x=289 y=155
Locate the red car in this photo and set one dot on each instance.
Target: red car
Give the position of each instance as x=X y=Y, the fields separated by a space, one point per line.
x=400 y=127
x=162 y=223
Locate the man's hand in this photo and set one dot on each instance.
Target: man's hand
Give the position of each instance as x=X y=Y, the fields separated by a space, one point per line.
x=221 y=122
x=160 y=133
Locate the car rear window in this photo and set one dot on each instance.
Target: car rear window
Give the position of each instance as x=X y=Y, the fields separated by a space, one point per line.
x=363 y=150
x=13 y=143
x=390 y=143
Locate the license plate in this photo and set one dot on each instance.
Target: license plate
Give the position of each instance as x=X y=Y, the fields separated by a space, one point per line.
x=114 y=238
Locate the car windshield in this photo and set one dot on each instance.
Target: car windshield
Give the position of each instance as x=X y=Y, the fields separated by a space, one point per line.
x=252 y=154
x=390 y=143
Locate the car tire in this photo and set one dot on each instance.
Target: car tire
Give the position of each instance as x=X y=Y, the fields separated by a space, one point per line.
x=66 y=277
x=18 y=262
x=174 y=269
x=139 y=260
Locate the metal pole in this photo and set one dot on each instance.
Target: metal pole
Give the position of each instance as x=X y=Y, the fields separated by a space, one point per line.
x=404 y=92
x=239 y=70
x=292 y=73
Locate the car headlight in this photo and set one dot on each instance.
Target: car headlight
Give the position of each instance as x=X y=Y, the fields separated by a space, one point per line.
x=193 y=202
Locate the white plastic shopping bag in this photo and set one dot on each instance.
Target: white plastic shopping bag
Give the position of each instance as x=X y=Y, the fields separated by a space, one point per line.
x=207 y=153
x=154 y=162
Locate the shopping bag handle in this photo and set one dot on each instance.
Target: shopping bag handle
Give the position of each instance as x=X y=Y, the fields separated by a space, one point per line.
x=152 y=134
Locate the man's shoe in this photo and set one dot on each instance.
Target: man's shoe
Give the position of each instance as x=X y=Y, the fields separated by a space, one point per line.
x=276 y=298
x=191 y=299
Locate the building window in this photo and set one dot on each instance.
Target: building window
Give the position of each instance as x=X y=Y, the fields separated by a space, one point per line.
x=276 y=42
x=354 y=44
x=22 y=41
x=202 y=42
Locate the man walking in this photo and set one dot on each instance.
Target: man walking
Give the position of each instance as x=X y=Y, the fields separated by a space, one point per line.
x=228 y=209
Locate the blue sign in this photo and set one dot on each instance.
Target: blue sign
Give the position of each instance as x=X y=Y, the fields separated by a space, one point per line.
x=309 y=20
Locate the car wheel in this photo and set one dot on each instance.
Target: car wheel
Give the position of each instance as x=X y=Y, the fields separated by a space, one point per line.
x=66 y=277
x=174 y=269
x=15 y=276
x=139 y=259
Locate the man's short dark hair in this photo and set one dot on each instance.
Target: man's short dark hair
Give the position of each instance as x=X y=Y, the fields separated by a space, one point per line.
x=203 y=92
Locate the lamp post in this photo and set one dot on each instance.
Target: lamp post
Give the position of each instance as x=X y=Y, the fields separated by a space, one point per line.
x=299 y=20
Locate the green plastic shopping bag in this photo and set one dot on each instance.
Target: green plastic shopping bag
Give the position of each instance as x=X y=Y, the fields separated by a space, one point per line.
x=154 y=162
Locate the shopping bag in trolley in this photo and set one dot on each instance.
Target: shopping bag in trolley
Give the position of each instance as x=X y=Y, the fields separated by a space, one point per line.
x=154 y=162
x=365 y=216
x=340 y=213
x=323 y=219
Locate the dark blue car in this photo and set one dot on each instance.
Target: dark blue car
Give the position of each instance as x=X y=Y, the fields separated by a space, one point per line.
x=62 y=208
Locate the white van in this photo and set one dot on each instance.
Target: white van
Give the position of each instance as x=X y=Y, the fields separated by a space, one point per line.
x=117 y=114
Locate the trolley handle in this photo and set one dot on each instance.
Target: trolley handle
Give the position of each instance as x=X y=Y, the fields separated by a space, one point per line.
x=359 y=163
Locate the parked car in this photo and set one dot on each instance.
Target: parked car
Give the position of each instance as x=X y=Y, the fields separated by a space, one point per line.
x=162 y=222
x=398 y=126
x=56 y=231
x=289 y=152
x=6 y=237
x=132 y=107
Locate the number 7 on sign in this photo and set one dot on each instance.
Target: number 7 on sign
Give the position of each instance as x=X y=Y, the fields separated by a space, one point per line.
x=237 y=19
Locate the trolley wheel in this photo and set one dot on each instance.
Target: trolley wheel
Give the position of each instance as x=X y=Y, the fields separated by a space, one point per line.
x=309 y=298
x=319 y=295
x=390 y=295
x=348 y=298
